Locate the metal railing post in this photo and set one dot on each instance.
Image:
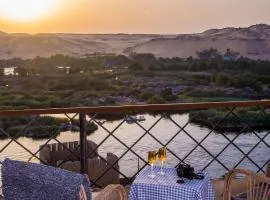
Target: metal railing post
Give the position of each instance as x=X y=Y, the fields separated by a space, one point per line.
x=83 y=141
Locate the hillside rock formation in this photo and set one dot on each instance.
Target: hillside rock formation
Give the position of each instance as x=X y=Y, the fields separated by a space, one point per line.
x=252 y=42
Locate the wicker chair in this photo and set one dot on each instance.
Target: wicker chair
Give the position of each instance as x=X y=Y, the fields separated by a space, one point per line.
x=111 y=192
x=82 y=193
x=257 y=187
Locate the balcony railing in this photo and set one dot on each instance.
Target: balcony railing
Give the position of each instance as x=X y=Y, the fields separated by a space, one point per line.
x=211 y=136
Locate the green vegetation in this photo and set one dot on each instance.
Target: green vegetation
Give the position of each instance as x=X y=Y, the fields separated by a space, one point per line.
x=65 y=81
x=243 y=119
x=39 y=127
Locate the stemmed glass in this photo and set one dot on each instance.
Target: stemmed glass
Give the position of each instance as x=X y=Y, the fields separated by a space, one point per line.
x=162 y=157
x=151 y=160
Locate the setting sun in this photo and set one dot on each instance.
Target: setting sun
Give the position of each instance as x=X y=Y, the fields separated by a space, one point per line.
x=25 y=10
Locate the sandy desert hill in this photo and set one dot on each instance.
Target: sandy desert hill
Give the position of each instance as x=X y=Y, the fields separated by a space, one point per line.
x=252 y=42
x=29 y=46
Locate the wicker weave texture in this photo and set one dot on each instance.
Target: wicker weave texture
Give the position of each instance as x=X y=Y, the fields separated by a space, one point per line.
x=257 y=187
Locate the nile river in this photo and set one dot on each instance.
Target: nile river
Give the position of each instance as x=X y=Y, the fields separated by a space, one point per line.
x=163 y=131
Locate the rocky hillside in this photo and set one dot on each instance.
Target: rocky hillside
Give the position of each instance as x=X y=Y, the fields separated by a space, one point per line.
x=252 y=42
x=29 y=46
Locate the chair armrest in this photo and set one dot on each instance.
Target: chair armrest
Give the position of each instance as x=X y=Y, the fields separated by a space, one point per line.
x=112 y=192
x=82 y=193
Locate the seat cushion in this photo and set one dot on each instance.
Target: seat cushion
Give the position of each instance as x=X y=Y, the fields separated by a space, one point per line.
x=23 y=180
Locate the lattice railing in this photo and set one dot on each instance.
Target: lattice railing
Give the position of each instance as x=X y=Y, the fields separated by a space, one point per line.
x=211 y=136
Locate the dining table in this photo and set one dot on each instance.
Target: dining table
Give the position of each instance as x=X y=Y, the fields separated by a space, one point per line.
x=167 y=186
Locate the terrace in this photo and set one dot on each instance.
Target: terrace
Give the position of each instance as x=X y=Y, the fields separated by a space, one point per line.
x=213 y=137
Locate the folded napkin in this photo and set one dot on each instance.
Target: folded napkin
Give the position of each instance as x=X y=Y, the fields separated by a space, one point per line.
x=29 y=181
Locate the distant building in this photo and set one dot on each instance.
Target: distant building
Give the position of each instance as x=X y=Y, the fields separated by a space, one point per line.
x=9 y=71
x=66 y=68
x=108 y=71
x=229 y=58
x=230 y=55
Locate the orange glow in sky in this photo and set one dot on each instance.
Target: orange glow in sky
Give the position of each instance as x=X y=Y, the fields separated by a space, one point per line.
x=25 y=10
x=129 y=16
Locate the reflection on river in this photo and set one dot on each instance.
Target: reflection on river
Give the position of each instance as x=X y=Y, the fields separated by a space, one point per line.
x=181 y=145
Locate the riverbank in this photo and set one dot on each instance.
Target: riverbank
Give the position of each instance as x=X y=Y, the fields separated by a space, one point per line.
x=240 y=121
x=40 y=127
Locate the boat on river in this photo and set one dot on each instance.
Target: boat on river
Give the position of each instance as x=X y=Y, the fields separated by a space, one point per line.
x=133 y=119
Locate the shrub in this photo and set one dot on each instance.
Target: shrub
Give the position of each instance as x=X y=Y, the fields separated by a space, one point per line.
x=156 y=99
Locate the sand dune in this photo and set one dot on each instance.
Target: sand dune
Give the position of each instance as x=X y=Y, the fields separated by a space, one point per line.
x=252 y=42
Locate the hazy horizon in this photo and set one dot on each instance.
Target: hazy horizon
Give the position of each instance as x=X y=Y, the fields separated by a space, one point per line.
x=129 y=17
x=127 y=33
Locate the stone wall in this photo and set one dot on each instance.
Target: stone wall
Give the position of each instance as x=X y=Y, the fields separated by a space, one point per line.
x=60 y=155
x=68 y=151
x=96 y=167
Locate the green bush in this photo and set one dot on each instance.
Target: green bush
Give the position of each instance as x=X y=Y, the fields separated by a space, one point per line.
x=156 y=99
x=41 y=131
x=40 y=127
x=211 y=117
x=90 y=128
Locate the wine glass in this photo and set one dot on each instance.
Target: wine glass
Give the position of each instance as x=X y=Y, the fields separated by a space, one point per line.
x=151 y=160
x=162 y=157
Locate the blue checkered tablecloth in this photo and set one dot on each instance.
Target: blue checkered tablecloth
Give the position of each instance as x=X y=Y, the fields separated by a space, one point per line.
x=166 y=188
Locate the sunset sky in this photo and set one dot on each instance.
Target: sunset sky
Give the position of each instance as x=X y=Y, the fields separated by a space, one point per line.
x=129 y=16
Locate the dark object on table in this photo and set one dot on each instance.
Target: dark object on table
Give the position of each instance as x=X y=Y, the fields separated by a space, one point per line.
x=29 y=181
x=180 y=181
x=199 y=176
x=186 y=171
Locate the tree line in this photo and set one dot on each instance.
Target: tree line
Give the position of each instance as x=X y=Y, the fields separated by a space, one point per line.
x=209 y=59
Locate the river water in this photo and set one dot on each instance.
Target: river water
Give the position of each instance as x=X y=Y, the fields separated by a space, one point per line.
x=163 y=131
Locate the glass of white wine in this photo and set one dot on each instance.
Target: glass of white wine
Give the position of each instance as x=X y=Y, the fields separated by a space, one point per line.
x=162 y=155
x=151 y=160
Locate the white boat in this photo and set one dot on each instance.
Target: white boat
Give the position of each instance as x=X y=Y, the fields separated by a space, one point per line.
x=133 y=119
